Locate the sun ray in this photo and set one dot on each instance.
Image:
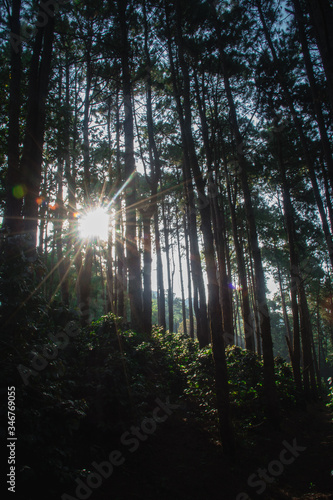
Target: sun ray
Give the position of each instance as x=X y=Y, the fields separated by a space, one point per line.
x=94 y=224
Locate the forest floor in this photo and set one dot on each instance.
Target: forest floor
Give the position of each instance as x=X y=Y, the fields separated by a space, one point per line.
x=168 y=449
x=182 y=461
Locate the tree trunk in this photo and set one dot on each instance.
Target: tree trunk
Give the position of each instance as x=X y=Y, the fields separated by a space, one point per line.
x=109 y=277
x=272 y=405
x=147 y=260
x=217 y=224
x=303 y=139
x=199 y=294
x=132 y=254
x=12 y=215
x=166 y=225
x=86 y=113
x=322 y=20
x=314 y=91
x=328 y=197
x=296 y=284
x=119 y=246
x=84 y=280
x=214 y=307
x=246 y=309
x=188 y=265
x=181 y=272
x=32 y=155
x=58 y=229
x=155 y=176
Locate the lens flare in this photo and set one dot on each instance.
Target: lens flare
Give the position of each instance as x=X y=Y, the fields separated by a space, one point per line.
x=94 y=224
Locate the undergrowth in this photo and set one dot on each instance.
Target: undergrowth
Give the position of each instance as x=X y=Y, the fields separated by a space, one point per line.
x=107 y=378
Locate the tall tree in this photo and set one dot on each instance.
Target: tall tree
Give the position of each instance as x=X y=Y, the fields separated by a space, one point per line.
x=12 y=215
x=322 y=18
x=32 y=154
x=260 y=287
x=132 y=254
x=199 y=295
x=214 y=307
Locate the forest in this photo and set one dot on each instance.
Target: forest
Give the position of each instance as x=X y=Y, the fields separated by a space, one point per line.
x=166 y=249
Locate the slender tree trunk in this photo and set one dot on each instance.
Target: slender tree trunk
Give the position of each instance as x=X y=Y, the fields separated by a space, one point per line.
x=189 y=287
x=84 y=279
x=147 y=260
x=322 y=19
x=217 y=224
x=58 y=229
x=303 y=139
x=313 y=86
x=199 y=294
x=214 y=307
x=86 y=114
x=272 y=404
x=289 y=336
x=246 y=309
x=43 y=223
x=328 y=197
x=160 y=279
x=132 y=254
x=166 y=224
x=32 y=155
x=60 y=213
x=252 y=288
x=85 y=285
x=296 y=285
x=309 y=377
x=181 y=272
x=155 y=169
x=119 y=246
x=109 y=276
x=283 y=302
x=12 y=215
x=226 y=298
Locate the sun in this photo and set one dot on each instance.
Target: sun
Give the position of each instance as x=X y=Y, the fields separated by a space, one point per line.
x=94 y=224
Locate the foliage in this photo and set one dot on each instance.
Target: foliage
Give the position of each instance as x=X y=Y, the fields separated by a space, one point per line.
x=108 y=377
x=330 y=394
x=245 y=370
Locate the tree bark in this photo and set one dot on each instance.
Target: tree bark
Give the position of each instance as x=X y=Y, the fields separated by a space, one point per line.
x=132 y=254
x=322 y=20
x=214 y=307
x=188 y=266
x=217 y=224
x=32 y=155
x=313 y=86
x=303 y=139
x=199 y=294
x=166 y=230
x=147 y=260
x=296 y=285
x=272 y=405
x=181 y=272
x=13 y=215
x=246 y=309
x=119 y=246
